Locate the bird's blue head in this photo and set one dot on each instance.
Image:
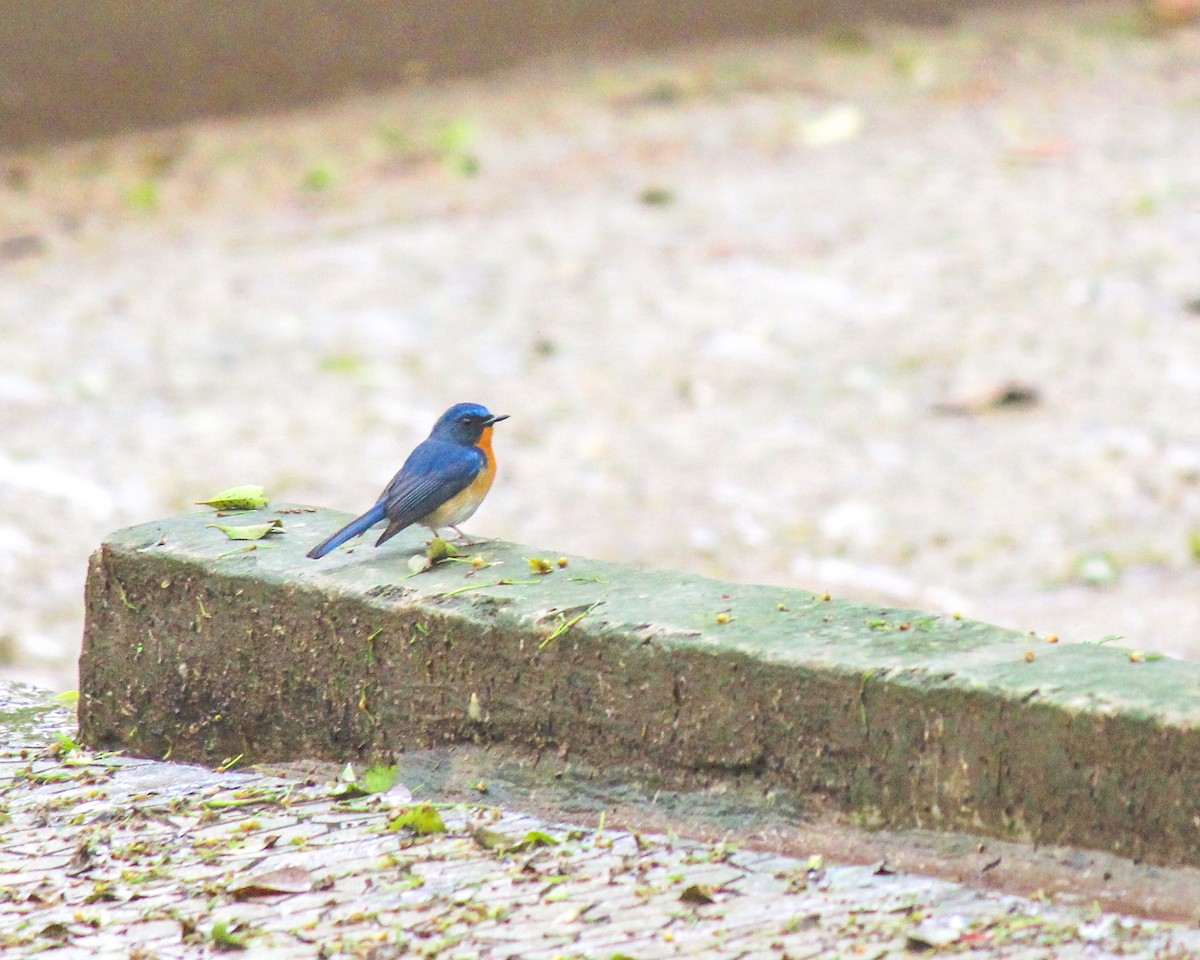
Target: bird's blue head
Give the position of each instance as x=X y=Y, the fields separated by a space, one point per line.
x=464 y=423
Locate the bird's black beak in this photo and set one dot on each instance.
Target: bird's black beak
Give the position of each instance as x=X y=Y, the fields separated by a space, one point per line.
x=494 y=420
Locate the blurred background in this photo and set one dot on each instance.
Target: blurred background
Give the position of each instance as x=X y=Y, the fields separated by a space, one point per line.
x=898 y=301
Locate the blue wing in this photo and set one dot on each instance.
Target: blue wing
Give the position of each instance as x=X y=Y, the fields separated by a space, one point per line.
x=434 y=472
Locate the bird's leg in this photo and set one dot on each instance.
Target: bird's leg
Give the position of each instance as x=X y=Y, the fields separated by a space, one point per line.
x=462 y=540
x=466 y=540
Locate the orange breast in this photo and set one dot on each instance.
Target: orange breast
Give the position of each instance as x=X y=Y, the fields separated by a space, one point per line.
x=485 y=444
x=461 y=506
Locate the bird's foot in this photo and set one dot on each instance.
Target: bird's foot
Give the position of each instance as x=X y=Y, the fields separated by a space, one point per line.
x=466 y=540
x=460 y=540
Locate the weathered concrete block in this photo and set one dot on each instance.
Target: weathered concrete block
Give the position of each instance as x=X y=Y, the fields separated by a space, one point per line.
x=202 y=649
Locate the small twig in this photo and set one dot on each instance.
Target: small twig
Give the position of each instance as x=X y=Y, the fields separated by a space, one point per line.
x=483 y=586
x=564 y=627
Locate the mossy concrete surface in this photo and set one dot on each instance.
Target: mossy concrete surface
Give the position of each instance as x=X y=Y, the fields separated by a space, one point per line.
x=204 y=649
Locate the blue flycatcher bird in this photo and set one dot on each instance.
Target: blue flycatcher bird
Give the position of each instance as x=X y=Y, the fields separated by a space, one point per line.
x=441 y=484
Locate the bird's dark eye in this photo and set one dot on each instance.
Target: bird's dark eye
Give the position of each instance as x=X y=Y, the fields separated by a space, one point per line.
x=467 y=419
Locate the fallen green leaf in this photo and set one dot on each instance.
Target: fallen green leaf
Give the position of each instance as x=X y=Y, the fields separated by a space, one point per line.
x=224 y=938
x=251 y=531
x=439 y=550
x=237 y=498
x=421 y=820
x=67 y=697
x=490 y=839
x=380 y=779
x=656 y=196
x=340 y=363
x=455 y=137
x=454 y=143
x=534 y=838
x=143 y=197
x=65 y=743
x=318 y=179
x=347 y=786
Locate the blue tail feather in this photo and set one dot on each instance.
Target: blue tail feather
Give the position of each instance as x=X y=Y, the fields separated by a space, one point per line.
x=352 y=529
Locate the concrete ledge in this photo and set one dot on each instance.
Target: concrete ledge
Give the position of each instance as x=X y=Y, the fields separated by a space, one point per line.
x=197 y=649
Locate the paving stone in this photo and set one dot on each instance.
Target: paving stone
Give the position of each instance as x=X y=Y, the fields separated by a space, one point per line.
x=591 y=896
x=67 y=953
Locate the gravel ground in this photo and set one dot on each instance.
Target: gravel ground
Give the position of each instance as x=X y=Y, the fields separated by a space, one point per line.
x=748 y=307
x=112 y=857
